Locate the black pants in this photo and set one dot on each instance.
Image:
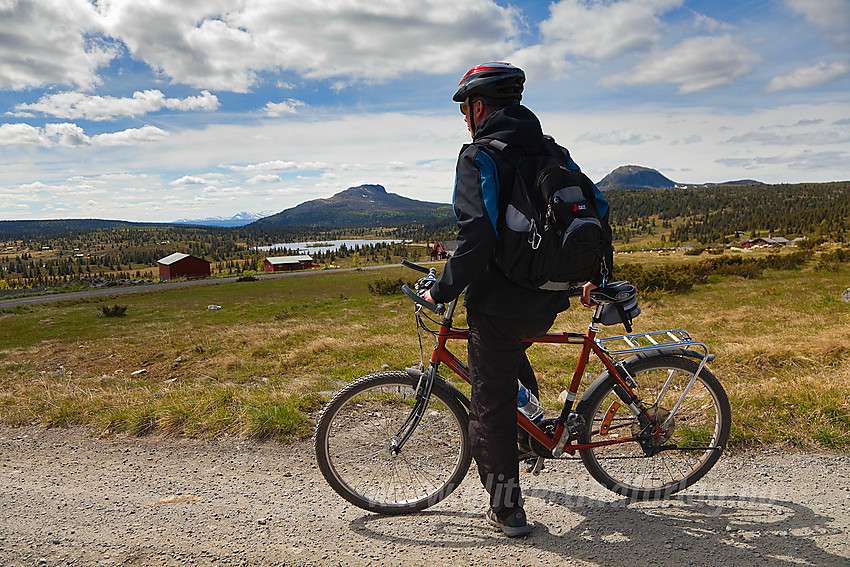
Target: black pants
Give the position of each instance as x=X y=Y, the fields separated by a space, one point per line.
x=496 y=359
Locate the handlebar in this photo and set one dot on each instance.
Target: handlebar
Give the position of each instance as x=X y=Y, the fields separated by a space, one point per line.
x=418 y=268
x=437 y=308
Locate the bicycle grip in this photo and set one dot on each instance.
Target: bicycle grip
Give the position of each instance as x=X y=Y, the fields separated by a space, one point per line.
x=438 y=308
x=416 y=267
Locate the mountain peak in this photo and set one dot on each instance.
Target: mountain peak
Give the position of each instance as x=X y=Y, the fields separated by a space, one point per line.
x=635 y=177
x=363 y=205
x=365 y=191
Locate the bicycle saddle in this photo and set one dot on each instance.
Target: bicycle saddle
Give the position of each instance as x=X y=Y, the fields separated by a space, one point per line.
x=614 y=292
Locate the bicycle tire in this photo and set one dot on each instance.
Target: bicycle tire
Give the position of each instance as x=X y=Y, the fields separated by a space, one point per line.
x=352 y=445
x=701 y=423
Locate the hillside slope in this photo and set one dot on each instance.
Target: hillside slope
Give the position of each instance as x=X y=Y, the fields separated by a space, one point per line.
x=634 y=177
x=364 y=205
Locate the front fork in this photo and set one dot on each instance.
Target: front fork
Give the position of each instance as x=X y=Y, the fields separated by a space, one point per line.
x=423 y=396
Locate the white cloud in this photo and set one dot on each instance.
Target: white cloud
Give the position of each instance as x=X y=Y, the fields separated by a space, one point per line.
x=618 y=137
x=130 y=136
x=808 y=76
x=15 y=134
x=833 y=16
x=76 y=105
x=818 y=137
x=50 y=42
x=276 y=165
x=367 y=147
x=696 y=64
x=34 y=186
x=66 y=134
x=190 y=180
x=258 y=179
x=597 y=30
x=289 y=106
x=703 y=22
x=687 y=140
x=215 y=44
x=805 y=160
x=580 y=31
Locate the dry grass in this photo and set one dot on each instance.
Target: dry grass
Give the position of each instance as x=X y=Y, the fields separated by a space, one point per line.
x=262 y=365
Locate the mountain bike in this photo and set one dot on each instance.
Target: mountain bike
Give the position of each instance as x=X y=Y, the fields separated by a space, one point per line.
x=651 y=424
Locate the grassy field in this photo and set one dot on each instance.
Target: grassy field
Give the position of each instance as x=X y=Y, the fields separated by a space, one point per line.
x=267 y=360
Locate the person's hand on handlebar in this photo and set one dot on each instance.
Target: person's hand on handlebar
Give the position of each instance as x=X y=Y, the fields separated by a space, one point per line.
x=427 y=296
x=585 y=294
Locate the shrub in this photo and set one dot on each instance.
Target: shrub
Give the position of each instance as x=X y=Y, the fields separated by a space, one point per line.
x=679 y=278
x=831 y=260
x=114 y=311
x=386 y=286
x=247 y=279
x=671 y=278
x=786 y=261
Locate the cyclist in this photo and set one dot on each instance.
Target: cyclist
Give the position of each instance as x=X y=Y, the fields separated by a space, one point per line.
x=500 y=313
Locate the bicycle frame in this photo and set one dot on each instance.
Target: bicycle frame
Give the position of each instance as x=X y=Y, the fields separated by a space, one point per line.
x=441 y=355
x=568 y=423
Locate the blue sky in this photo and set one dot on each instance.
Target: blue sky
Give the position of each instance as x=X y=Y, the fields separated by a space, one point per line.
x=156 y=110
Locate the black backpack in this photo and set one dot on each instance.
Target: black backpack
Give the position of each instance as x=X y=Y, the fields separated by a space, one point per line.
x=551 y=236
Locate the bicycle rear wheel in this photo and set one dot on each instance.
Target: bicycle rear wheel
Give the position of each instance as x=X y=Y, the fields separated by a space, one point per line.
x=354 y=436
x=699 y=429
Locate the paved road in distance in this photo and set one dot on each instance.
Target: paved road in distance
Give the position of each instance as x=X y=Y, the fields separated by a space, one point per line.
x=121 y=290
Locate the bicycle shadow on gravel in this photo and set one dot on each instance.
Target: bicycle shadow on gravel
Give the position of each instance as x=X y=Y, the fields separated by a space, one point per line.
x=683 y=530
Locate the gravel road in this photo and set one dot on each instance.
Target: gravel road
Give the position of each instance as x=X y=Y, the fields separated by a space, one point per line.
x=70 y=499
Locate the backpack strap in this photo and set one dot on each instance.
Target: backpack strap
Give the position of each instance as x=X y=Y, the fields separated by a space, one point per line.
x=513 y=156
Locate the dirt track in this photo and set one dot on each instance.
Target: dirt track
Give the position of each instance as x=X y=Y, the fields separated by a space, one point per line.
x=68 y=499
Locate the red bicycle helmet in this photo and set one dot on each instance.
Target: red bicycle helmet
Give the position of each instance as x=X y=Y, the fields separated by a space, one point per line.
x=496 y=82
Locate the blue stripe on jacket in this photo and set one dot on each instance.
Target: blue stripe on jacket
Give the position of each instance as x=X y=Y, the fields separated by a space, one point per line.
x=489 y=177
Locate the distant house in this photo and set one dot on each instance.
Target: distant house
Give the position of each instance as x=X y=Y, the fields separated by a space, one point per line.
x=443 y=250
x=287 y=263
x=179 y=265
x=766 y=242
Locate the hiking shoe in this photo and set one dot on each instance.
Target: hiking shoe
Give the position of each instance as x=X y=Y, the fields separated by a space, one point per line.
x=513 y=525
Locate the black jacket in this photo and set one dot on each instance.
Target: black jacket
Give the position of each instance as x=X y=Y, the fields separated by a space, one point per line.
x=481 y=177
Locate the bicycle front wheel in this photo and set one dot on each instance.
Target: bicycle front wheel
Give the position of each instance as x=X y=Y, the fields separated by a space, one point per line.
x=357 y=430
x=697 y=433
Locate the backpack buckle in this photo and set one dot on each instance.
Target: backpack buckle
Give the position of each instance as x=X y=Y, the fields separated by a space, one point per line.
x=534 y=237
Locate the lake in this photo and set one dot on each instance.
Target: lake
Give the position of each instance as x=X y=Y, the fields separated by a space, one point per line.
x=319 y=246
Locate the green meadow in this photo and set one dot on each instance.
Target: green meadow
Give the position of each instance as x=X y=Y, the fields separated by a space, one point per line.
x=265 y=362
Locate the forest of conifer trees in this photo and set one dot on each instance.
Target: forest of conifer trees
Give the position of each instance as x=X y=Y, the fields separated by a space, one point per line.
x=58 y=252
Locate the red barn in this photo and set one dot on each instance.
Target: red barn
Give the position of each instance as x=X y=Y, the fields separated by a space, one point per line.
x=179 y=265
x=443 y=250
x=287 y=263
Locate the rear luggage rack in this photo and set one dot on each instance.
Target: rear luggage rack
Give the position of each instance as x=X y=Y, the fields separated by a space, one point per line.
x=656 y=340
x=659 y=341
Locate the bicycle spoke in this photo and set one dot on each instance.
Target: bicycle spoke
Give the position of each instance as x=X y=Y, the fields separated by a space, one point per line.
x=688 y=448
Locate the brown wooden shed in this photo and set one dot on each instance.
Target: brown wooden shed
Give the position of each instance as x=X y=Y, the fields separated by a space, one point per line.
x=287 y=263
x=179 y=265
